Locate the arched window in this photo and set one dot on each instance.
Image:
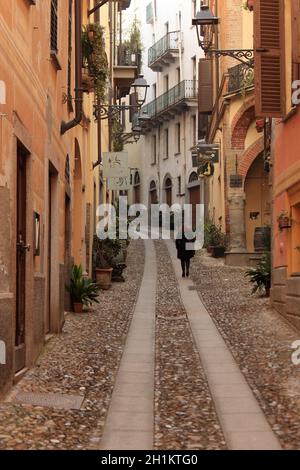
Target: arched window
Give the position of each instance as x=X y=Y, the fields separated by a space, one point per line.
x=168 y=190
x=137 y=188
x=193 y=177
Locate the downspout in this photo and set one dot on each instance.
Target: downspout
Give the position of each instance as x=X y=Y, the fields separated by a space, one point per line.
x=66 y=126
x=111 y=94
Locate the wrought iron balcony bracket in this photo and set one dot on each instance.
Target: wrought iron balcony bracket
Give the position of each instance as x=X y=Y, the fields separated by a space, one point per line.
x=244 y=56
x=110 y=111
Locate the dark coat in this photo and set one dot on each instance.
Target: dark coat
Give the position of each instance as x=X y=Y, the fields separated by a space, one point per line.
x=182 y=252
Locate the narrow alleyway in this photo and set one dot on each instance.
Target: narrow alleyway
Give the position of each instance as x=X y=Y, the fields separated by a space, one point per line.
x=152 y=368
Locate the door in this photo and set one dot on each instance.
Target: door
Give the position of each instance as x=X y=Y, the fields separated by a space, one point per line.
x=194 y=201
x=21 y=251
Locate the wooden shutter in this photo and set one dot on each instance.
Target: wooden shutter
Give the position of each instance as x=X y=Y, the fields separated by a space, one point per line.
x=296 y=38
x=54 y=26
x=205 y=86
x=269 y=46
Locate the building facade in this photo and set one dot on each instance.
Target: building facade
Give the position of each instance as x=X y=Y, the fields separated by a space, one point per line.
x=50 y=167
x=239 y=192
x=170 y=58
x=276 y=99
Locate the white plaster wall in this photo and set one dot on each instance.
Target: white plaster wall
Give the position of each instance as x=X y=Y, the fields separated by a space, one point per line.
x=176 y=165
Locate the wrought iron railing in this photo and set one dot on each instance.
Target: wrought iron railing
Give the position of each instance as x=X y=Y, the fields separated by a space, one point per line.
x=185 y=90
x=127 y=58
x=240 y=77
x=170 y=42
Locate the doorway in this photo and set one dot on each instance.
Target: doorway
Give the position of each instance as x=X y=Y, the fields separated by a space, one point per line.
x=21 y=255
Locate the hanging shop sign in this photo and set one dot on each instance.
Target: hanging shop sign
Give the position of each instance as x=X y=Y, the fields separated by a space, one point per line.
x=206 y=169
x=115 y=165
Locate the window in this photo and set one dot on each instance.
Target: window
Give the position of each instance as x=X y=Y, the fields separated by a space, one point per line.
x=154 y=150
x=54 y=26
x=166 y=83
x=178 y=75
x=166 y=144
x=178 y=138
x=194 y=8
x=179 y=185
x=194 y=131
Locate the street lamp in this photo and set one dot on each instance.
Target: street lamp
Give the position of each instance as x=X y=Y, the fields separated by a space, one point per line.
x=206 y=24
x=107 y=111
x=140 y=87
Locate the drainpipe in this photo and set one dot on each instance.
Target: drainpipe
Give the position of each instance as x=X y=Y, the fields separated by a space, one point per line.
x=66 y=126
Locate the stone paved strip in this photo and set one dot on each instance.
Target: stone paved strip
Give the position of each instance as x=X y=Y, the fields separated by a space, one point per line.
x=244 y=424
x=129 y=424
x=185 y=416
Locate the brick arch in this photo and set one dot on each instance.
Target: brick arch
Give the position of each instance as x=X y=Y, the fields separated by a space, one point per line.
x=240 y=125
x=250 y=155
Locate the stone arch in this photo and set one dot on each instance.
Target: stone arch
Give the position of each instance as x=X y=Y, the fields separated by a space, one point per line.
x=193 y=177
x=250 y=155
x=240 y=125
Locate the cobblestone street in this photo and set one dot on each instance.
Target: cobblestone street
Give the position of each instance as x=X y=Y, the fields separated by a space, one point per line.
x=151 y=368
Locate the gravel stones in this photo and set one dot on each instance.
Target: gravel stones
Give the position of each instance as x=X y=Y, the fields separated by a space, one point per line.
x=83 y=361
x=259 y=339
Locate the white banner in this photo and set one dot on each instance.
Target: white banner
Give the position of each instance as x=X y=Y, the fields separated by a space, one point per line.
x=115 y=165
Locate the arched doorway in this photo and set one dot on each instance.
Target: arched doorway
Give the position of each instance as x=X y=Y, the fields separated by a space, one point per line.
x=137 y=188
x=194 y=195
x=168 y=186
x=258 y=200
x=77 y=208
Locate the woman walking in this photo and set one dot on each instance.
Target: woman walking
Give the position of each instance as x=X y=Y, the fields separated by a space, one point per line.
x=183 y=253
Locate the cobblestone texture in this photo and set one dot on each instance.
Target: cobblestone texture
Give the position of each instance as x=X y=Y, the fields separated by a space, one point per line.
x=260 y=341
x=185 y=417
x=83 y=360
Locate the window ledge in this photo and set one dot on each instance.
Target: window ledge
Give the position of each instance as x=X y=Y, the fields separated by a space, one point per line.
x=55 y=60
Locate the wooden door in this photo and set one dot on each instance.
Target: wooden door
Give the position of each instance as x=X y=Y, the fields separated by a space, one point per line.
x=194 y=201
x=21 y=253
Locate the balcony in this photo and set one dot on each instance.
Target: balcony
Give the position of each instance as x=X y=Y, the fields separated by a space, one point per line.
x=178 y=99
x=126 y=69
x=164 y=52
x=240 y=78
x=123 y=4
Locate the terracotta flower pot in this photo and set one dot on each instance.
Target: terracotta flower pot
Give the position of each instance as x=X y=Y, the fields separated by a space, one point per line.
x=77 y=307
x=250 y=5
x=103 y=278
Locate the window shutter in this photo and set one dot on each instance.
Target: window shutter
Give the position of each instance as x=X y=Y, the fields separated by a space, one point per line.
x=296 y=38
x=269 y=46
x=205 y=86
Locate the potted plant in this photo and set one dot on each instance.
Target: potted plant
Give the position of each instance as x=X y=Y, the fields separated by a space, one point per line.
x=284 y=221
x=214 y=240
x=260 y=276
x=105 y=251
x=95 y=63
x=83 y=291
